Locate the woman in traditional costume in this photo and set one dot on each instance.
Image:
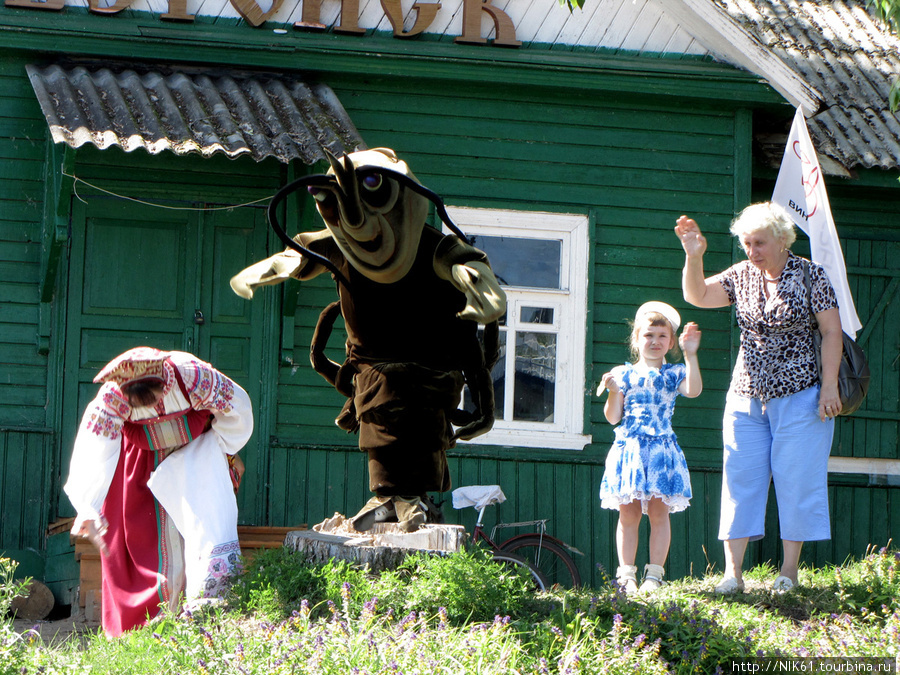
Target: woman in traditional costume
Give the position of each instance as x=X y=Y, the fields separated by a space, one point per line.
x=152 y=480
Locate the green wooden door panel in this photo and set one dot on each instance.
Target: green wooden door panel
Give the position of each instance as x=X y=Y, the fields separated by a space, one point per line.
x=874 y=275
x=137 y=271
x=128 y=283
x=236 y=239
x=25 y=478
x=159 y=277
x=230 y=333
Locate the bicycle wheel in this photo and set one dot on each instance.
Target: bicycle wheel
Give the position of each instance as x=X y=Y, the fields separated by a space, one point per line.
x=551 y=559
x=514 y=560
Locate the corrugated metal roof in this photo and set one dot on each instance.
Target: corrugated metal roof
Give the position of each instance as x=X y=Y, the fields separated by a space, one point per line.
x=846 y=55
x=235 y=114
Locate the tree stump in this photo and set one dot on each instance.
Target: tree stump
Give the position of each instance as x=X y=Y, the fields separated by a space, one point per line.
x=36 y=605
x=383 y=547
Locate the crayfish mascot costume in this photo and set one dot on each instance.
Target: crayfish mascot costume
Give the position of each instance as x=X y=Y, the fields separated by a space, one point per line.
x=411 y=299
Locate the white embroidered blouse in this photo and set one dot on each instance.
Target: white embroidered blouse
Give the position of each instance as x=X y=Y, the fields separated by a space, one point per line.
x=99 y=439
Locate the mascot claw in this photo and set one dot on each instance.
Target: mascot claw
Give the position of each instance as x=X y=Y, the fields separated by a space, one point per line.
x=485 y=300
x=266 y=272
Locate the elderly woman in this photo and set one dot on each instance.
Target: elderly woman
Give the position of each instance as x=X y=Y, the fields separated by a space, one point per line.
x=779 y=418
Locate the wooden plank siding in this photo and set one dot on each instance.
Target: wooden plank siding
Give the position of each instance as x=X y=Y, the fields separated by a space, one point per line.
x=26 y=437
x=633 y=164
x=873 y=431
x=22 y=149
x=25 y=479
x=515 y=150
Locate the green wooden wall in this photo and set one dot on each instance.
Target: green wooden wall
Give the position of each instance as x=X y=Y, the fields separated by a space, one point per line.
x=22 y=152
x=633 y=163
x=26 y=435
x=510 y=148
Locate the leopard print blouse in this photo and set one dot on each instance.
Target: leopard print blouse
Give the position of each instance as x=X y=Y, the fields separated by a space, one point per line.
x=776 y=357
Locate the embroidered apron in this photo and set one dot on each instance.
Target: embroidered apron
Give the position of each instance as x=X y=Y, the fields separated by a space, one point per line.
x=145 y=565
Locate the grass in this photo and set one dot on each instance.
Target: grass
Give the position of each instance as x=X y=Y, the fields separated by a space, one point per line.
x=462 y=614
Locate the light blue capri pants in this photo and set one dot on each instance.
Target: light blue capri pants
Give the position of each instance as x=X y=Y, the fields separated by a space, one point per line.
x=787 y=443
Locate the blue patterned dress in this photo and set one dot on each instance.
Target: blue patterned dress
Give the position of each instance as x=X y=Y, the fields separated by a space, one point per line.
x=645 y=461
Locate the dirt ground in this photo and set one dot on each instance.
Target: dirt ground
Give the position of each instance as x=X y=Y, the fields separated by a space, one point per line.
x=59 y=630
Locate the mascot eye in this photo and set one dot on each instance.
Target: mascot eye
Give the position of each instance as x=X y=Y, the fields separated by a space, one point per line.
x=376 y=191
x=372 y=182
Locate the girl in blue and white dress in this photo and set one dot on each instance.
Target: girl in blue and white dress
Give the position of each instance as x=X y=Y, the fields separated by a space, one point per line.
x=646 y=471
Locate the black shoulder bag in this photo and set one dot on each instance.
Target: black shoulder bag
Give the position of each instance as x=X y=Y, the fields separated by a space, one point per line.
x=853 y=374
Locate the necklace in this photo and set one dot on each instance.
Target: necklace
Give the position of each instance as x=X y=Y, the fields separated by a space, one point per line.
x=772 y=281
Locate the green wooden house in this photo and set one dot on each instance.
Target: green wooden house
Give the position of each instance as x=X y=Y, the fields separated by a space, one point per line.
x=140 y=141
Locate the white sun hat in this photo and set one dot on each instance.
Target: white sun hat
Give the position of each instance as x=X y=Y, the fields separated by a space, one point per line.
x=667 y=311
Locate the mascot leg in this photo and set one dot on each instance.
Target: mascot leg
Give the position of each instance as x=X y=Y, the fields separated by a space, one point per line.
x=377 y=510
x=410 y=512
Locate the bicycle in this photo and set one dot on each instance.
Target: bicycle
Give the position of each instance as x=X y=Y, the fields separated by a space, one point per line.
x=542 y=553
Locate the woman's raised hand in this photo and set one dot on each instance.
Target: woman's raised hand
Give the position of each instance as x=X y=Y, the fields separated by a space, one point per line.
x=692 y=240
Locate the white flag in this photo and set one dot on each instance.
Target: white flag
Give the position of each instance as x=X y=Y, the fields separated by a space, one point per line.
x=800 y=189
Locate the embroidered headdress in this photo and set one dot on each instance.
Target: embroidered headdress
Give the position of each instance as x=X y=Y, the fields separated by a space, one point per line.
x=136 y=364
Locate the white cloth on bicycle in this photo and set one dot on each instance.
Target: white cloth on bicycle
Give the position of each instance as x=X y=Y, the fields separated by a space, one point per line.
x=478 y=496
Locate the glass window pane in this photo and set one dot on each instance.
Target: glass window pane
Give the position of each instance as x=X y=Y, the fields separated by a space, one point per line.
x=532 y=263
x=543 y=315
x=498 y=375
x=535 y=377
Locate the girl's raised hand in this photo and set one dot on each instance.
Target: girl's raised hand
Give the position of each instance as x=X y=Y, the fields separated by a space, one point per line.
x=692 y=240
x=607 y=382
x=690 y=338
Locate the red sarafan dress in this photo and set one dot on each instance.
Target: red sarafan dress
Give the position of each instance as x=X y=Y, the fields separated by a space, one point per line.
x=160 y=478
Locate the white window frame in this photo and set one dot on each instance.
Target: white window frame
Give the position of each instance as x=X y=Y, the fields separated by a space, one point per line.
x=569 y=322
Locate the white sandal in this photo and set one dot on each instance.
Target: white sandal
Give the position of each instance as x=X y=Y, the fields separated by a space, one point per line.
x=653 y=578
x=626 y=577
x=782 y=585
x=729 y=586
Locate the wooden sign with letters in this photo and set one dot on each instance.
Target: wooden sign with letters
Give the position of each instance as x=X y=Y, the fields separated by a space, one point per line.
x=253 y=14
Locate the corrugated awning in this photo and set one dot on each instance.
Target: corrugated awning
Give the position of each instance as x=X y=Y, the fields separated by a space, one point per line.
x=235 y=114
x=850 y=59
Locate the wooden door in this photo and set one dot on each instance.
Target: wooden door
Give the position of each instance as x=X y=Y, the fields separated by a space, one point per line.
x=158 y=277
x=230 y=331
x=874 y=430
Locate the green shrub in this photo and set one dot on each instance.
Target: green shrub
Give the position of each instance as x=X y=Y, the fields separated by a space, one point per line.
x=10 y=589
x=868 y=586
x=13 y=647
x=277 y=580
x=466 y=585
